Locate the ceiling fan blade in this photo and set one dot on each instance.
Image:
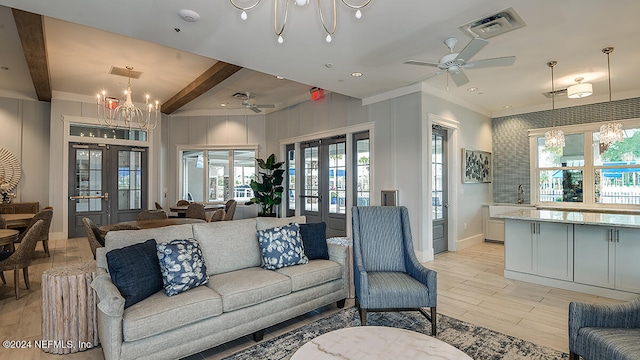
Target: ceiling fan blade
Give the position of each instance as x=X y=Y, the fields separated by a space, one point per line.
x=471 y=49
x=501 y=61
x=265 y=106
x=255 y=109
x=459 y=77
x=425 y=78
x=421 y=62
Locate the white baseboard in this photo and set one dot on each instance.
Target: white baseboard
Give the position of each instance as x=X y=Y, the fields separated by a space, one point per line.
x=467 y=242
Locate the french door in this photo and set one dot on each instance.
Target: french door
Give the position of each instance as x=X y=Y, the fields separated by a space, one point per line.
x=323 y=197
x=439 y=201
x=108 y=183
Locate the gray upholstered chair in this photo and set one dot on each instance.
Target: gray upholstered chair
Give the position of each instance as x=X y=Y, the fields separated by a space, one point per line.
x=94 y=235
x=196 y=211
x=151 y=215
x=21 y=258
x=604 y=331
x=388 y=276
x=230 y=209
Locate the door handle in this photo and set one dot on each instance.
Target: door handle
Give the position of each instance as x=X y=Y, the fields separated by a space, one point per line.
x=84 y=197
x=446 y=205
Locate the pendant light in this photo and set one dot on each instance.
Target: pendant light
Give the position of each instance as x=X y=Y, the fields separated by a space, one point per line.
x=553 y=138
x=579 y=90
x=610 y=132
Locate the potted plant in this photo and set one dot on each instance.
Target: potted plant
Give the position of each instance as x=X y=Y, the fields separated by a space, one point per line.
x=267 y=189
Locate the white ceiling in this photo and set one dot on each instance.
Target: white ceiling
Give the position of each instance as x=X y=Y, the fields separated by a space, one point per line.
x=85 y=38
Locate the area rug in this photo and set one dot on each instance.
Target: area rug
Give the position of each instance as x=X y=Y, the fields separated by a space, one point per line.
x=477 y=342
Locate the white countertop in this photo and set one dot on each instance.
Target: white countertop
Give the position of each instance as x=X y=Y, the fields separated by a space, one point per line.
x=574 y=217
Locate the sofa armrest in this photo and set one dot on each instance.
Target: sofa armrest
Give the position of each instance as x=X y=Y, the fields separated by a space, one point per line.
x=626 y=315
x=339 y=254
x=110 y=315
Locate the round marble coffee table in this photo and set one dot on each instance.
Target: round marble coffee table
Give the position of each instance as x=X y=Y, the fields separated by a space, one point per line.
x=377 y=342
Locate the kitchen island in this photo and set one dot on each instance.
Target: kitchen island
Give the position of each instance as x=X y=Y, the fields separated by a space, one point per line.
x=591 y=252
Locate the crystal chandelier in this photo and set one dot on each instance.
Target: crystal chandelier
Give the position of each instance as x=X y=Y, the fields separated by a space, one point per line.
x=553 y=138
x=278 y=30
x=610 y=132
x=127 y=115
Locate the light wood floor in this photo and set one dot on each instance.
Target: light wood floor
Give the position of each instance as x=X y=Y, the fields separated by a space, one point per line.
x=471 y=287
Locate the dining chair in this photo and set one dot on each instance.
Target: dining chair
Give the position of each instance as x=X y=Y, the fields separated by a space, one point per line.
x=182 y=203
x=45 y=215
x=3 y=223
x=158 y=206
x=118 y=227
x=196 y=211
x=151 y=215
x=387 y=274
x=230 y=209
x=21 y=258
x=217 y=215
x=94 y=235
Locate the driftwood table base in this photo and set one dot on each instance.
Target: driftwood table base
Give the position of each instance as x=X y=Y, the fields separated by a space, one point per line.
x=69 y=321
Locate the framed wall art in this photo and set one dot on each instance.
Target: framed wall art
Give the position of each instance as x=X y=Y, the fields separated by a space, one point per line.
x=476 y=166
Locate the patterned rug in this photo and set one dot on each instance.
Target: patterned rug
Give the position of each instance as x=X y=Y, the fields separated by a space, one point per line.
x=478 y=342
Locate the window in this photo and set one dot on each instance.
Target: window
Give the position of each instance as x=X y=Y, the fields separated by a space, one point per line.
x=362 y=157
x=586 y=172
x=291 y=180
x=207 y=174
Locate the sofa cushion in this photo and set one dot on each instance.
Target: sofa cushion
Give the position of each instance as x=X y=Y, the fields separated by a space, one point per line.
x=609 y=343
x=160 y=313
x=182 y=265
x=228 y=245
x=247 y=287
x=314 y=273
x=135 y=271
x=263 y=223
x=314 y=238
x=120 y=239
x=281 y=246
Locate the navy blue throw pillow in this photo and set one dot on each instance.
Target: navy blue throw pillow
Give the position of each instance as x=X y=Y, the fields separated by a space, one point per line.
x=314 y=238
x=135 y=271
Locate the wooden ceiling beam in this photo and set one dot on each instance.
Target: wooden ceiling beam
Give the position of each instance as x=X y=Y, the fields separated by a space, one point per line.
x=208 y=80
x=31 y=31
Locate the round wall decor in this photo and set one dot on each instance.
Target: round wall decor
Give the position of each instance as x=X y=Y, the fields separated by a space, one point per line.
x=10 y=171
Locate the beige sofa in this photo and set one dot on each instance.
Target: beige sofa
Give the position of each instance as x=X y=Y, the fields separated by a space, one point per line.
x=241 y=298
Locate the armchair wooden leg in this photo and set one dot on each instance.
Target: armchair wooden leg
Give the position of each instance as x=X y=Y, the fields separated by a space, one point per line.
x=363 y=317
x=2 y=277
x=573 y=356
x=432 y=318
x=25 y=273
x=45 y=245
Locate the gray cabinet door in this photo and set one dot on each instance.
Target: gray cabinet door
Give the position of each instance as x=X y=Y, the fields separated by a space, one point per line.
x=518 y=245
x=627 y=260
x=554 y=247
x=593 y=256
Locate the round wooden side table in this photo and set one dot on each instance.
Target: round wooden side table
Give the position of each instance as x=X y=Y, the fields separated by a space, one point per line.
x=69 y=308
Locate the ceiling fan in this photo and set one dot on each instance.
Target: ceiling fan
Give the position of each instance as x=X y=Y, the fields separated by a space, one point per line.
x=454 y=62
x=249 y=103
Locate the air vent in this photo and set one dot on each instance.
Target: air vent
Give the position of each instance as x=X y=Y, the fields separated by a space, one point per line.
x=557 y=92
x=125 y=72
x=494 y=25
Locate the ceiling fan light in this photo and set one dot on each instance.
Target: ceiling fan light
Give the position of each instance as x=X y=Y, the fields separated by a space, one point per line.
x=243 y=15
x=579 y=90
x=328 y=38
x=358 y=14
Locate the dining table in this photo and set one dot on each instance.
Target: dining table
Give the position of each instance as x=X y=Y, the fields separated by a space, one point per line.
x=181 y=210
x=17 y=220
x=150 y=224
x=8 y=237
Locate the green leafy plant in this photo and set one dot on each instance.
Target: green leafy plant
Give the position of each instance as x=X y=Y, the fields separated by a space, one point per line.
x=268 y=189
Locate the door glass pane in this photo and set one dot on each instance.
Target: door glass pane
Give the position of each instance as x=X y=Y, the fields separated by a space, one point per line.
x=218 y=182
x=88 y=179
x=437 y=184
x=337 y=178
x=192 y=175
x=129 y=180
x=244 y=169
x=311 y=184
x=291 y=184
x=362 y=156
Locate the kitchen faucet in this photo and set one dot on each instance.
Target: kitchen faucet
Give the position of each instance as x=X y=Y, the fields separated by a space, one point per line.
x=520 y=193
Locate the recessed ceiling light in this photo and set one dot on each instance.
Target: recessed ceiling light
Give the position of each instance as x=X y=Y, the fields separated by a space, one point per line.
x=328 y=65
x=223 y=104
x=356 y=74
x=189 y=15
x=507 y=107
x=4 y=68
x=472 y=89
x=280 y=77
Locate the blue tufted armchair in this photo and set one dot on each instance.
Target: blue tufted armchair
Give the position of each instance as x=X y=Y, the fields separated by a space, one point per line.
x=388 y=276
x=609 y=332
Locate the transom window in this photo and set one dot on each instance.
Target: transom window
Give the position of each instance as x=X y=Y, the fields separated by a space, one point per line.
x=585 y=171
